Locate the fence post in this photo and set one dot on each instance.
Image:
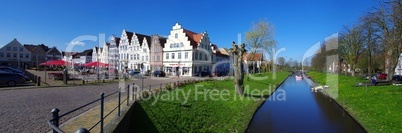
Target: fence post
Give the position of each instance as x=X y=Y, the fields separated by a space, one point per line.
x=101 y=112
x=149 y=87
x=118 y=110
x=38 y=84
x=128 y=94
x=55 y=122
x=132 y=92
x=142 y=84
x=160 y=87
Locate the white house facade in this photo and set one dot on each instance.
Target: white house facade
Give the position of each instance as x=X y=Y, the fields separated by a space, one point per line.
x=15 y=54
x=113 y=58
x=187 y=53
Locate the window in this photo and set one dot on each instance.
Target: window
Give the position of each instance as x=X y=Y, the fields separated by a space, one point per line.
x=8 y=48
x=1 y=54
x=172 y=55
x=178 y=55
x=142 y=58
x=14 y=48
x=15 y=55
x=131 y=57
x=205 y=56
x=8 y=55
x=167 y=55
x=21 y=49
x=146 y=58
x=21 y=55
x=196 y=56
x=186 y=55
x=138 y=56
x=158 y=58
x=145 y=50
x=200 y=56
x=176 y=35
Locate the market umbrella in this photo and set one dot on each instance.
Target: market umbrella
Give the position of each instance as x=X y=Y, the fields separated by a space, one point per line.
x=96 y=64
x=55 y=62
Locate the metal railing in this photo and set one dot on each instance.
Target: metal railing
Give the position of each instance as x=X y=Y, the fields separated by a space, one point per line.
x=54 y=122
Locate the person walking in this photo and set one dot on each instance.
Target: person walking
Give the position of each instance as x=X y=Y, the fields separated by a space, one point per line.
x=374 y=80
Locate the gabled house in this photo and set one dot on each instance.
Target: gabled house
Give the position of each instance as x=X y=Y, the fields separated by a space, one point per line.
x=15 y=54
x=113 y=53
x=253 y=61
x=186 y=52
x=38 y=54
x=53 y=54
x=96 y=53
x=83 y=57
x=221 y=59
x=156 y=52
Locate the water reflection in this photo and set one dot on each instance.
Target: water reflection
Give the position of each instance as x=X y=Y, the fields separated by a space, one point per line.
x=303 y=111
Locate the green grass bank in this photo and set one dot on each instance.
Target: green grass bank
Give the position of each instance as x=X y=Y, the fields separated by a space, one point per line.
x=209 y=106
x=378 y=109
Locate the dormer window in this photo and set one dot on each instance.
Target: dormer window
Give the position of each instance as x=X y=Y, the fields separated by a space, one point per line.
x=176 y=35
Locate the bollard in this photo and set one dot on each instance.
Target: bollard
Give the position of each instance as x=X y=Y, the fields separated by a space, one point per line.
x=38 y=82
x=82 y=130
x=132 y=91
x=55 y=116
x=83 y=81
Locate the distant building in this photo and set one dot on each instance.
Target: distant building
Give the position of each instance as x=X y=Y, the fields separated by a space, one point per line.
x=222 y=61
x=41 y=53
x=156 y=52
x=15 y=54
x=187 y=53
x=82 y=57
x=114 y=53
x=253 y=61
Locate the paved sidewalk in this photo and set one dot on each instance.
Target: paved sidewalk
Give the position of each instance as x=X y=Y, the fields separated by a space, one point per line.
x=28 y=110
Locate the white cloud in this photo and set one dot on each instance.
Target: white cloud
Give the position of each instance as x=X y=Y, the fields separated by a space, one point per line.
x=78 y=43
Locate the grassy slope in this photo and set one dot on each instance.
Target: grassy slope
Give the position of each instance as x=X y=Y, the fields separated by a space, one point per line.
x=200 y=114
x=378 y=110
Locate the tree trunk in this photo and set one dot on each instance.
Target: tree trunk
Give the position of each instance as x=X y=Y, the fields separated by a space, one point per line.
x=238 y=69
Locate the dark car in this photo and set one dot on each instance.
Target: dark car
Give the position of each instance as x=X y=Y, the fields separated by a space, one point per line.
x=397 y=78
x=10 y=71
x=11 y=79
x=158 y=73
x=205 y=74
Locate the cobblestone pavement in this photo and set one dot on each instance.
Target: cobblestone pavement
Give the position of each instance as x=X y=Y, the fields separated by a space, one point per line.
x=28 y=110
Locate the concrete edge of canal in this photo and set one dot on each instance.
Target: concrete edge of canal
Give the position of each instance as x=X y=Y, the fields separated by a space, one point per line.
x=337 y=103
x=255 y=111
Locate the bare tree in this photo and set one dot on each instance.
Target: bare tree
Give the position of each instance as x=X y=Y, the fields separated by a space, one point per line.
x=372 y=42
x=281 y=61
x=351 y=46
x=389 y=19
x=260 y=37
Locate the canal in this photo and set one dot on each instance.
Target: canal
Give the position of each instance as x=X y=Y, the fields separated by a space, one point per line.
x=301 y=111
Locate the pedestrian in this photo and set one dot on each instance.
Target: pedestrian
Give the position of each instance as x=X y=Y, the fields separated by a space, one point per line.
x=374 y=80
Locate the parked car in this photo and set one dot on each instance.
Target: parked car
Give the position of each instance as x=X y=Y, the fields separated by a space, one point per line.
x=159 y=73
x=205 y=74
x=11 y=79
x=382 y=76
x=9 y=71
x=397 y=78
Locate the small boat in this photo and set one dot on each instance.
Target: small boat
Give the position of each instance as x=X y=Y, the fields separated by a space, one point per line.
x=299 y=77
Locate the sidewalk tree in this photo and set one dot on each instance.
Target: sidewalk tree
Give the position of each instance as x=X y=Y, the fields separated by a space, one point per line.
x=238 y=67
x=260 y=37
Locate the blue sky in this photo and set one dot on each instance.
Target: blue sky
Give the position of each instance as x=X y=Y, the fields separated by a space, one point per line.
x=298 y=24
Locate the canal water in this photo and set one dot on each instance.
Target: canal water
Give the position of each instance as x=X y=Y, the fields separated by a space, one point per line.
x=301 y=111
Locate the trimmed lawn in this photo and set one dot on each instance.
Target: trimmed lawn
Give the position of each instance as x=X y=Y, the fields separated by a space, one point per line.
x=378 y=110
x=209 y=106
